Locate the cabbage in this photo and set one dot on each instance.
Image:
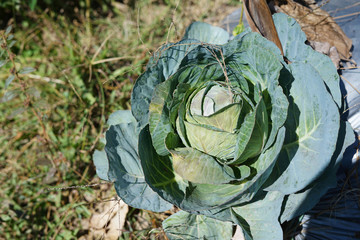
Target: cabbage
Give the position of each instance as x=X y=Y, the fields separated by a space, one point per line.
x=229 y=132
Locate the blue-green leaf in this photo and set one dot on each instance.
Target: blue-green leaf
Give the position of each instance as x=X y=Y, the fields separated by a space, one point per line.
x=159 y=172
x=120 y=116
x=161 y=67
x=312 y=130
x=9 y=80
x=9 y=95
x=26 y=70
x=125 y=169
x=257 y=64
x=142 y=94
x=184 y=225
x=259 y=219
x=298 y=203
x=293 y=40
x=3 y=62
x=99 y=157
x=34 y=92
x=8 y=30
x=172 y=56
x=12 y=43
x=207 y=33
x=102 y=164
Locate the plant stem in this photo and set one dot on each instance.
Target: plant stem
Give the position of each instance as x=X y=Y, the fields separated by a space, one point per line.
x=242 y=13
x=27 y=102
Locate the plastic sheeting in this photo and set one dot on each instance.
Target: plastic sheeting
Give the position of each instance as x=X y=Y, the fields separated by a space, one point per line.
x=337 y=215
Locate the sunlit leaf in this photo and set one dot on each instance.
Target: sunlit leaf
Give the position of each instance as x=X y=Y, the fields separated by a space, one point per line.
x=8 y=30
x=9 y=95
x=12 y=44
x=102 y=164
x=33 y=91
x=238 y=29
x=26 y=70
x=3 y=62
x=258 y=219
x=125 y=169
x=9 y=80
x=183 y=225
x=204 y=32
x=16 y=112
x=32 y=4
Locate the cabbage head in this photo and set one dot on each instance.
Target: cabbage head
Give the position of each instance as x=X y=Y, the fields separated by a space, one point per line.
x=229 y=133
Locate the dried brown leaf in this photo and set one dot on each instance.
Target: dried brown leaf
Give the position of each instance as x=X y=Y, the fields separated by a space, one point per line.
x=317 y=24
x=260 y=20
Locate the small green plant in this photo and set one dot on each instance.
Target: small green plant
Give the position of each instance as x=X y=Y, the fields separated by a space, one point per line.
x=228 y=132
x=240 y=27
x=7 y=42
x=31 y=94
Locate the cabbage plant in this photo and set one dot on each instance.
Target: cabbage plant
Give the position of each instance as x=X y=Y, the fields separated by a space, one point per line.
x=229 y=133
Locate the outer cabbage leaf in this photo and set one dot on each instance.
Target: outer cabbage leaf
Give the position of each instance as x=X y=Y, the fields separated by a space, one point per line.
x=120 y=116
x=119 y=163
x=102 y=164
x=259 y=219
x=183 y=225
x=293 y=40
x=298 y=203
x=312 y=126
x=206 y=33
x=162 y=65
x=126 y=172
x=99 y=157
